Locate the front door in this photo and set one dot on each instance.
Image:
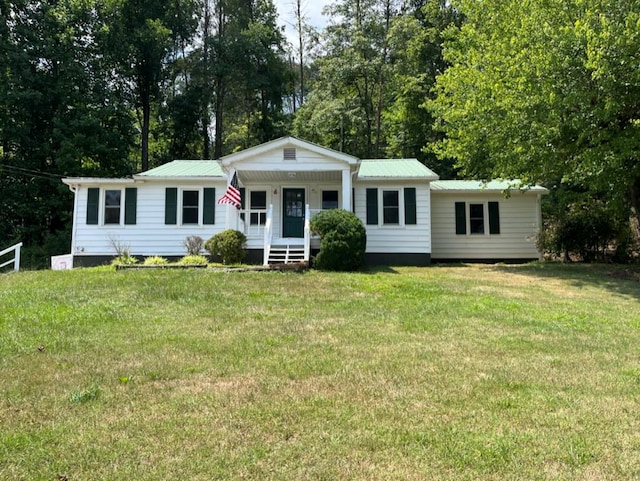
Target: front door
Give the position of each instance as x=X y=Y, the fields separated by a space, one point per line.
x=293 y=213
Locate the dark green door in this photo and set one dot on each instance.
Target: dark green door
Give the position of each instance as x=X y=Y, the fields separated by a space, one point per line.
x=293 y=213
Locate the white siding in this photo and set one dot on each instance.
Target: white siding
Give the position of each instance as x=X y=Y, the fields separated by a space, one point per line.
x=519 y=225
x=400 y=239
x=150 y=235
x=273 y=160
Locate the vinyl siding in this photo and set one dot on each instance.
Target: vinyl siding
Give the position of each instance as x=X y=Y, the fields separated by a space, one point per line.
x=519 y=225
x=150 y=235
x=305 y=160
x=401 y=239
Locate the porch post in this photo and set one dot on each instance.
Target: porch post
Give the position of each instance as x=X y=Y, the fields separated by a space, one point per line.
x=346 y=189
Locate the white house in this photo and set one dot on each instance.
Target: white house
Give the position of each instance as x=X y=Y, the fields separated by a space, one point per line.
x=411 y=218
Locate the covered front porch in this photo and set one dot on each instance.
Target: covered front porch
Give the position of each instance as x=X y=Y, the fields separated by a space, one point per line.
x=283 y=183
x=277 y=208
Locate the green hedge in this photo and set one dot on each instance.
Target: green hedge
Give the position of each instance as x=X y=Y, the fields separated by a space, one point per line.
x=343 y=240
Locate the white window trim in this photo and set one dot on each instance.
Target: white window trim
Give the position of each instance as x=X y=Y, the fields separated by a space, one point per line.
x=247 y=202
x=102 y=199
x=180 y=219
x=400 y=191
x=337 y=189
x=485 y=218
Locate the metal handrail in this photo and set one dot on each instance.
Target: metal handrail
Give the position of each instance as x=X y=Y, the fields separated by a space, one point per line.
x=268 y=234
x=16 y=258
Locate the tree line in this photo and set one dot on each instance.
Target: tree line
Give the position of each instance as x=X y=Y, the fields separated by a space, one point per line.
x=543 y=91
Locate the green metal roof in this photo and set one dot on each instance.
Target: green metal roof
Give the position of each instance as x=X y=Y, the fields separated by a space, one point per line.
x=479 y=186
x=186 y=168
x=395 y=168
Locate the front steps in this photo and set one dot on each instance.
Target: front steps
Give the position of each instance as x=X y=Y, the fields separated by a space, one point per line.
x=286 y=254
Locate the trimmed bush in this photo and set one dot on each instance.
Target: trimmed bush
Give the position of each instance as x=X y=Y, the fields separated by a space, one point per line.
x=228 y=245
x=343 y=240
x=193 y=260
x=155 y=261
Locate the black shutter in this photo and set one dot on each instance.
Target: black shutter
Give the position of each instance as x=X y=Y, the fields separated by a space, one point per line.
x=243 y=198
x=372 y=206
x=494 y=218
x=410 y=217
x=461 y=218
x=171 y=206
x=209 y=210
x=93 y=201
x=130 y=205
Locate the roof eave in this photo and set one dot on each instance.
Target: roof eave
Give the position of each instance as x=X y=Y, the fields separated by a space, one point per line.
x=165 y=178
x=398 y=178
x=95 y=180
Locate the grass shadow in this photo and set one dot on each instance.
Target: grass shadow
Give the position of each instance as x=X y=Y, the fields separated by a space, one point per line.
x=617 y=278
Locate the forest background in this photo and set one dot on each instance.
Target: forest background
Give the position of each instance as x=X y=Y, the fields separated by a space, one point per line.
x=544 y=91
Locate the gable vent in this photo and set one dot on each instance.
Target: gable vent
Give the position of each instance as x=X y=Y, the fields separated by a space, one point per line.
x=289 y=153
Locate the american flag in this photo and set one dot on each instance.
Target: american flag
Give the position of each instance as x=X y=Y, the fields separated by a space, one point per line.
x=232 y=195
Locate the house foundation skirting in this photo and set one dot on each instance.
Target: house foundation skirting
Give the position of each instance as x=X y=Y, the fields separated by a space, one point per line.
x=255 y=256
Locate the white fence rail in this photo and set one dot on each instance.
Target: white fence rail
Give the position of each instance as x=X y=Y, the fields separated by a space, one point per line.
x=268 y=235
x=16 y=256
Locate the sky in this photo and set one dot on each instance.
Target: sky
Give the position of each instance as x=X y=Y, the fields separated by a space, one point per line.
x=312 y=9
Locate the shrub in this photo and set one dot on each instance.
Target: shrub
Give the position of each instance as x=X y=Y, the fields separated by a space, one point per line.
x=228 y=245
x=343 y=240
x=193 y=244
x=155 y=261
x=124 y=259
x=193 y=260
x=586 y=229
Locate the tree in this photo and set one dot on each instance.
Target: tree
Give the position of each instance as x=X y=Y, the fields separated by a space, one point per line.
x=60 y=114
x=141 y=35
x=544 y=90
x=416 y=54
x=352 y=79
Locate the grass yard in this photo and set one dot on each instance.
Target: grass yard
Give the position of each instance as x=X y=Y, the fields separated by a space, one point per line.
x=443 y=373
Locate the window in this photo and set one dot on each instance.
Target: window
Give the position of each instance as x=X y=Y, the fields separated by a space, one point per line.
x=112 y=206
x=329 y=199
x=390 y=207
x=191 y=210
x=472 y=218
x=476 y=218
x=258 y=201
x=190 y=206
x=394 y=202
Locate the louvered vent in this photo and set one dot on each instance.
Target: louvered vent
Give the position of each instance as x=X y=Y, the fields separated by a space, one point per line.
x=289 y=153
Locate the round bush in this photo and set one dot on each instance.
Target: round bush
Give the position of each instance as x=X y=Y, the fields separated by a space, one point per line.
x=227 y=245
x=343 y=240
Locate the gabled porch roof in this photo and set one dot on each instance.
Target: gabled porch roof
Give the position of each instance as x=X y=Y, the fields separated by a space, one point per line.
x=285 y=142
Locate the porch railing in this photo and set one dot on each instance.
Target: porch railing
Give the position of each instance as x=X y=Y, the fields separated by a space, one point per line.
x=307 y=233
x=253 y=221
x=268 y=234
x=16 y=256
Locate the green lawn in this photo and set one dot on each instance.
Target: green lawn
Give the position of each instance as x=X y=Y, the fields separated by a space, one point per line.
x=444 y=373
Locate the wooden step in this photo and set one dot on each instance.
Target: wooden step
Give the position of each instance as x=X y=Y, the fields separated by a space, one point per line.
x=286 y=254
